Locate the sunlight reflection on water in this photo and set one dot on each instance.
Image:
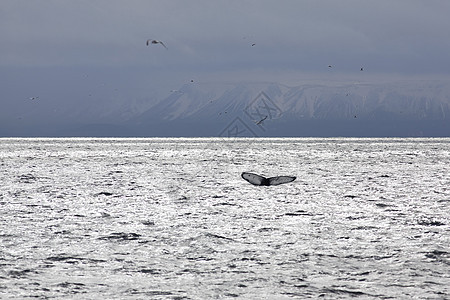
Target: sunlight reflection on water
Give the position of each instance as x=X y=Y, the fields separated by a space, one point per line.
x=172 y=219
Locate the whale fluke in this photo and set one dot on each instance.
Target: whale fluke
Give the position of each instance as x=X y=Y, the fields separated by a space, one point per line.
x=281 y=179
x=260 y=180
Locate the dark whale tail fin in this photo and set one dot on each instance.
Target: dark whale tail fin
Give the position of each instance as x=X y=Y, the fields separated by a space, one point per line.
x=260 y=180
x=281 y=179
x=254 y=179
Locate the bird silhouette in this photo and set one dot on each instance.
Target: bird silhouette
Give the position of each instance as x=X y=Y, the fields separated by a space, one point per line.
x=260 y=121
x=150 y=41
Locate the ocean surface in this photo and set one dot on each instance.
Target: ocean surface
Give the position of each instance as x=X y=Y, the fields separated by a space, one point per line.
x=171 y=218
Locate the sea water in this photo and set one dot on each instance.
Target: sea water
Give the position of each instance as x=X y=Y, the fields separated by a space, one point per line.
x=172 y=219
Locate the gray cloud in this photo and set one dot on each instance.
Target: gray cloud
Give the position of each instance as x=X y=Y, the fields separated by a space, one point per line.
x=401 y=36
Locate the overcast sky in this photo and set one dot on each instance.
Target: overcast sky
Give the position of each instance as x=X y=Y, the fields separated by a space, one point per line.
x=401 y=36
x=55 y=47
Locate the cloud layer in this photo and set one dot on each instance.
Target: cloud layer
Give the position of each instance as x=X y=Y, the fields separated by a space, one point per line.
x=403 y=36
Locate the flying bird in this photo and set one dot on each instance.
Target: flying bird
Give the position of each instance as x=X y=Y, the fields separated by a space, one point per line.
x=150 y=41
x=260 y=180
x=260 y=121
x=34 y=98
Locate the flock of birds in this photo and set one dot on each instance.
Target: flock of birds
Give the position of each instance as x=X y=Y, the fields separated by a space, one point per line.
x=150 y=42
x=362 y=68
x=156 y=42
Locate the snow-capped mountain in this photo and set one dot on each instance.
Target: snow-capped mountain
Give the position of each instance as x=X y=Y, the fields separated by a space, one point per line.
x=369 y=101
x=402 y=108
x=373 y=106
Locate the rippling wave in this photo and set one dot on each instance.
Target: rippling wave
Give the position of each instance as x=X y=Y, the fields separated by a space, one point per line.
x=172 y=219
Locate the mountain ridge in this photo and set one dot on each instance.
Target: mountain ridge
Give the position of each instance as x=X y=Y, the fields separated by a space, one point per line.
x=352 y=108
x=369 y=106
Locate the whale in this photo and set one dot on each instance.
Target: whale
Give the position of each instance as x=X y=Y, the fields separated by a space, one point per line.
x=256 y=179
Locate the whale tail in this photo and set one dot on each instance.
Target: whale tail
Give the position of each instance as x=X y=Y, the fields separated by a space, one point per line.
x=260 y=180
x=281 y=179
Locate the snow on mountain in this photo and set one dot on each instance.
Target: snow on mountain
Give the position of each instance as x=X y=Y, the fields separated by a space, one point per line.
x=205 y=101
x=407 y=108
x=402 y=108
x=407 y=100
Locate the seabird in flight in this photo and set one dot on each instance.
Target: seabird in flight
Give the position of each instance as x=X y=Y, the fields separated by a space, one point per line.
x=260 y=121
x=150 y=41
